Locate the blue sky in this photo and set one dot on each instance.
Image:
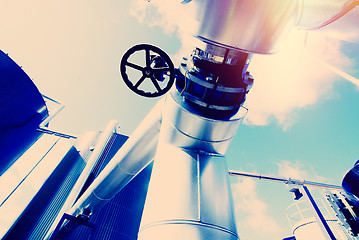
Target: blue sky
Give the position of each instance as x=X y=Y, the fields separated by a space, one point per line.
x=302 y=120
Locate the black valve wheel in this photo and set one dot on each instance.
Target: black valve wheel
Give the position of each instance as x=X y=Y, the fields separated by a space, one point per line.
x=153 y=77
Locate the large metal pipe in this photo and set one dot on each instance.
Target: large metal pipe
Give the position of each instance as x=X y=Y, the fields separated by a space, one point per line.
x=137 y=152
x=338 y=19
x=318 y=14
x=189 y=195
x=193 y=202
x=184 y=127
x=134 y=155
x=255 y=26
x=84 y=145
x=258 y=26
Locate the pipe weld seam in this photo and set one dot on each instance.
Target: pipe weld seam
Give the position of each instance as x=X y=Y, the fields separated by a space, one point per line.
x=190 y=222
x=102 y=199
x=199 y=139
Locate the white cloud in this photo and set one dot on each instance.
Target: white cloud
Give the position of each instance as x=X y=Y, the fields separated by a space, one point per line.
x=343 y=66
x=172 y=17
x=252 y=212
x=290 y=80
x=154 y=14
x=298 y=170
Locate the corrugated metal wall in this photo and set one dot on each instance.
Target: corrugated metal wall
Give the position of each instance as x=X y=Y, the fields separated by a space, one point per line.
x=120 y=218
x=43 y=209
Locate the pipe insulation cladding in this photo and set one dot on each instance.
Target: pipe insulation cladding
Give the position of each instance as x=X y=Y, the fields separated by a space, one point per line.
x=258 y=26
x=189 y=195
x=254 y=26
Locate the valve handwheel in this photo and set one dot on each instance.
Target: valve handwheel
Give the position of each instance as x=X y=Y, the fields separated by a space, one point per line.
x=158 y=70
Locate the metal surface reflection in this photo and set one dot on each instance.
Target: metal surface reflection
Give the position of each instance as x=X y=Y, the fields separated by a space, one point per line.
x=321 y=13
x=189 y=195
x=255 y=26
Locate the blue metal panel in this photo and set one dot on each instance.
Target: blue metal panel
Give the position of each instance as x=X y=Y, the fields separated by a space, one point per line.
x=120 y=218
x=290 y=238
x=37 y=218
x=351 y=184
x=22 y=109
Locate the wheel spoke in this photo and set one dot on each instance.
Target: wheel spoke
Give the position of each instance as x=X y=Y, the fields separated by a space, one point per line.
x=157 y=67
x=140 y=81
x=148 y=58
x=155 y=83
x=132 y=65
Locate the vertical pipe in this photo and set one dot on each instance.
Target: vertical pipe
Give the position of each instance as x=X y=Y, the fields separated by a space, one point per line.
x=189 y=194
x=193 y=202
x=323 y=225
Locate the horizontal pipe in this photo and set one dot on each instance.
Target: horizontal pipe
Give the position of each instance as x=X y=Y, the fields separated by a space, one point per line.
x=284 y=180
x=55 y=133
